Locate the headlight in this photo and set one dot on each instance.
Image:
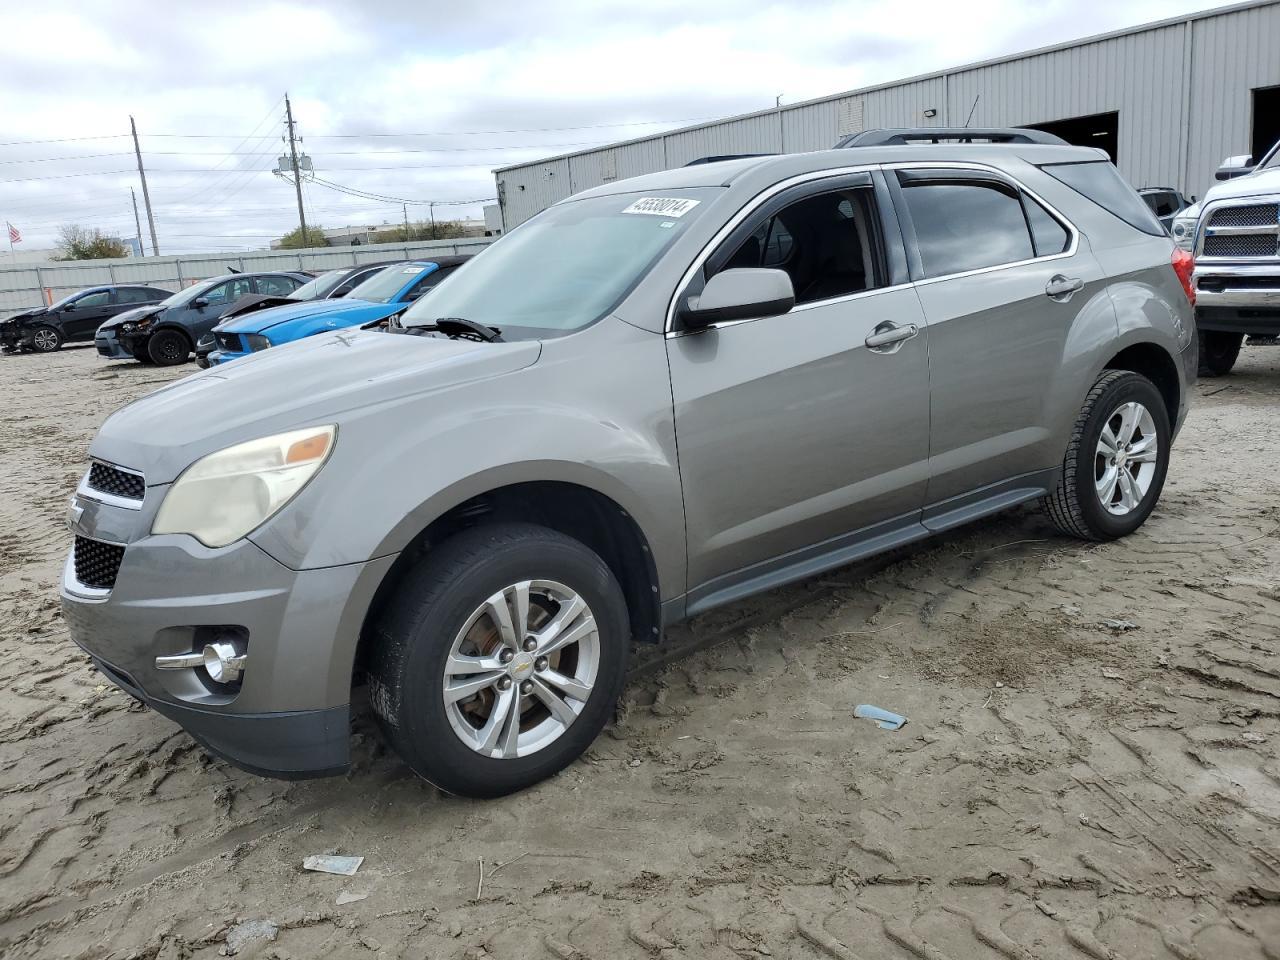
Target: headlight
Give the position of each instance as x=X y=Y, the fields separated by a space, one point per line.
x=133 y=325
x=256 y=342
x=228 y=494
x=1184 y=232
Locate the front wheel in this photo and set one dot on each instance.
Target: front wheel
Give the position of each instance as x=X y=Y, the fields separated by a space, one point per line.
x=1116 y=461
x=1218 y=352
x=499 y=659
x=46 y=339
x=168 y=348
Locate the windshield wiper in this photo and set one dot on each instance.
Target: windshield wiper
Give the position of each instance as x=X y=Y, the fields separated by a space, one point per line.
x=461 y=327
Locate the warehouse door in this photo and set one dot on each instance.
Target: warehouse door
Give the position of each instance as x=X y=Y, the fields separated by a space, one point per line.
x=1266 y=120
x=1097 y=130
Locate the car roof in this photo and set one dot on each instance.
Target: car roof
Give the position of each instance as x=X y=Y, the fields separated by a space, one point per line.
x=771 y=169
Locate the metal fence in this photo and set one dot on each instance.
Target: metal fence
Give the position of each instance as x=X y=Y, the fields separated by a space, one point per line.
x=30 y=285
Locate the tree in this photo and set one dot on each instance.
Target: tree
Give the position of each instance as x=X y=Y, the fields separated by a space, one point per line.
x=422 y=230
x=77 y=243
x=294 y=240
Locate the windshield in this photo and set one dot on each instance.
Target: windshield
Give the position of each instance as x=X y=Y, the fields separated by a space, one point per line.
x=191 y=292
x=68 y=298
x=320 y=286
x=1272 y=159
x=385 y=284
x=567 y=267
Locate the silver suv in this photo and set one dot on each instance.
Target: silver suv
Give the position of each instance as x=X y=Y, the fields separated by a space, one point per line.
x=654 y=398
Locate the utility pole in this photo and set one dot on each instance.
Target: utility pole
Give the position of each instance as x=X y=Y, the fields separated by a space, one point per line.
x=146 y=195
x=297 y=174
x=142 y=252
x=407 y=238
x=432 y=207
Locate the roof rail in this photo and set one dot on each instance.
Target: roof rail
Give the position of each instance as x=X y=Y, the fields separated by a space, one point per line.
x=727 y=156
x=906 y=135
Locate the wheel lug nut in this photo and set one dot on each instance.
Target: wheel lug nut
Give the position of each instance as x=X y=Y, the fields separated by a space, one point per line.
x=530 y=644
x=526 y=688
x=504 y=683
x=507 y=655
x=540 y=664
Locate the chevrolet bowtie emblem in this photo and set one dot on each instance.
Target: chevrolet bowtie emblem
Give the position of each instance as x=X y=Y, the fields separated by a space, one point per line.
x=74 y=513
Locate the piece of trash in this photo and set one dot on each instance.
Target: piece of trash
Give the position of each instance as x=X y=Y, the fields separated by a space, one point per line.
x=883 y=676
x=1253 y=737
x=1119 y=626
x=343 y=866
x=250 y=931
x=999 y=684
x=883 y=718
x=634 y=763
x=1111 y=674
x=1162 y=660
x=345 y=897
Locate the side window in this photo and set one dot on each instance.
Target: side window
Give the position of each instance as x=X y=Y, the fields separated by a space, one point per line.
x=966 y=225
x=133 y=295
x=230 y=291
x=1048 y=235
x=828 y=244
x=276 y=286
x=427 y=282
x=99 y=299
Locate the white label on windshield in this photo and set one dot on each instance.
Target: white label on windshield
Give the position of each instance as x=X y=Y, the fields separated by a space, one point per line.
x=662 y=206
x=410 y=271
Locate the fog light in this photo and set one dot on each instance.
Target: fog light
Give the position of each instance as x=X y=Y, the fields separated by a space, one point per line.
x=223 y=663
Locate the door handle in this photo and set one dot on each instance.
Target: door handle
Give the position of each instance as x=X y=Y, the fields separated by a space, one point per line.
x=890 y=335
x=1061 y=288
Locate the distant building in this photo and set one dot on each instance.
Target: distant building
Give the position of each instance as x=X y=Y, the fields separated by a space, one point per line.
x=383 y=232
x=1167 y=101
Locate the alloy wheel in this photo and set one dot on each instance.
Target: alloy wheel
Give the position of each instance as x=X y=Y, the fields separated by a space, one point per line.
x=45 y=340
x=521 y=669
x=1126 y=458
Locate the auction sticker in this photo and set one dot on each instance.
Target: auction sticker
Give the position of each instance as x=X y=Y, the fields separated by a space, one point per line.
x=662 y=206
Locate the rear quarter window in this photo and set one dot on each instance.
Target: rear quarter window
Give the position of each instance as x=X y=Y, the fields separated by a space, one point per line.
x=1100 y=182
x=962 y=226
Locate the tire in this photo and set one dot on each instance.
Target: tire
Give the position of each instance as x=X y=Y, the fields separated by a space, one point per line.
x=1218 y=352
x=426 y=622
x=1076 y=506
x=46 y=339
x=168 y=348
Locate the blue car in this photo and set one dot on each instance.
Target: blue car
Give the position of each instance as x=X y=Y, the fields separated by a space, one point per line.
x=386 y=293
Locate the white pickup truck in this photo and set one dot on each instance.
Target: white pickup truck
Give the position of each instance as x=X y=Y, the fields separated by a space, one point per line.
x=1234 y=233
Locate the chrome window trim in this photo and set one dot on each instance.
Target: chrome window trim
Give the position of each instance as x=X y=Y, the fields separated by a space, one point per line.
x=111 y=499
x=761 y=198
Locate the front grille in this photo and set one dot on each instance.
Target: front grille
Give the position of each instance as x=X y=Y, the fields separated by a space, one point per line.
x=228 y=341
x=118 y=483
x=97 y=563
x=1251 y=215
x=1242 y=245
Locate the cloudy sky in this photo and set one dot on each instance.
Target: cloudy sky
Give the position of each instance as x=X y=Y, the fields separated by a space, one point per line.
x=422 y=101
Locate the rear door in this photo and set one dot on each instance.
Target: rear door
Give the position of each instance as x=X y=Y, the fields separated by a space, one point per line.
x=82 y=322
x=200 y=320
x=793 y=430
x=1001 y=278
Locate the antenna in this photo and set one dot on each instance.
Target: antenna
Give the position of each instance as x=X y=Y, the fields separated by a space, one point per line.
x=971 y=109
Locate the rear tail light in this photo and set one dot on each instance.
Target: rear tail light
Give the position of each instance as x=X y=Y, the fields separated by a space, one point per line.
x=1184 y=265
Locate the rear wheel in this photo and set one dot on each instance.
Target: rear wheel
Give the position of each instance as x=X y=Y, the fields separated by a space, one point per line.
x=499 y=659
x=1116 y=461
x=167 y=348
x=1218 y=352
x=46 y=339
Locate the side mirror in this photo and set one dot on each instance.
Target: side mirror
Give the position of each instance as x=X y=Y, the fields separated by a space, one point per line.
x=200 y=303
x=1233 y=167
x=69 y=306
x=746 y=293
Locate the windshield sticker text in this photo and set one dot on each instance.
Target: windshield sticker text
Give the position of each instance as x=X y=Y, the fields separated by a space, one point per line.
x=662 y=206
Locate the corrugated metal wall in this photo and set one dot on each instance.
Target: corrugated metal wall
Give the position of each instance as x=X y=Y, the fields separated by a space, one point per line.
x=1183 y=91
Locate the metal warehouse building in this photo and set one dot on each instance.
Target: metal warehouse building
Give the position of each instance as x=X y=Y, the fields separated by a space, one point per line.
x=1167 y=101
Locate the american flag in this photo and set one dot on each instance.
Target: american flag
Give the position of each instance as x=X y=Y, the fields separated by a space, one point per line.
x=14 y=235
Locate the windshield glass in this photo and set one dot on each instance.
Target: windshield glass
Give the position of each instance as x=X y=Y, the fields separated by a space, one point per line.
x=68 y=298
x=1272 y=160
x=320 y=286
x=567 y=267
x=191 y=292
x=385 y=284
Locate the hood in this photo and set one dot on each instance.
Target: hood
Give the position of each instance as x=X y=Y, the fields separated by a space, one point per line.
x=1262 y=182
x=26 y=315
x=130 y=315
x=323 y=379
x=260 y=320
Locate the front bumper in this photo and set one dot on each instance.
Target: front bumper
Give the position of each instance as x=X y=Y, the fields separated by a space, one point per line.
x=111 y=346
x=224 y=356
x=171 y=595
x=1238 y=297
x=15 y=338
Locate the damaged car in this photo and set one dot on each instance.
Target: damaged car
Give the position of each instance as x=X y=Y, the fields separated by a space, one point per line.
x=73 y=319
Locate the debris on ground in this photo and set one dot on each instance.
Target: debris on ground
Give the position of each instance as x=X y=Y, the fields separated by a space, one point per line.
x=248 y=932
x=345 y=897
x=1119 y=626
x=323 y=863
x=883 y=718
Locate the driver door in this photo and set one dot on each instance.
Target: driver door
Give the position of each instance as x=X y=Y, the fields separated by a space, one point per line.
x=796 y=437
x=90 y=311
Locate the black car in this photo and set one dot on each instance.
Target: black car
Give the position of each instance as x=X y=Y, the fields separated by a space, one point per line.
x=166 y=333
x=1165 y=202
x=73 y=319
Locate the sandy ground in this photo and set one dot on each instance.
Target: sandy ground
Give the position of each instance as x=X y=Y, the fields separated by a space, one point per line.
x=1090 y=767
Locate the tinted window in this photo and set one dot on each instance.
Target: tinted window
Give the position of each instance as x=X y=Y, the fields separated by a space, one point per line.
x=99 y=299
x=276 y=286
x=966 y=225
x=134 y=295
x=1100 y=182
x=231 y=290
x=1048 y=234
x=827 y=244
